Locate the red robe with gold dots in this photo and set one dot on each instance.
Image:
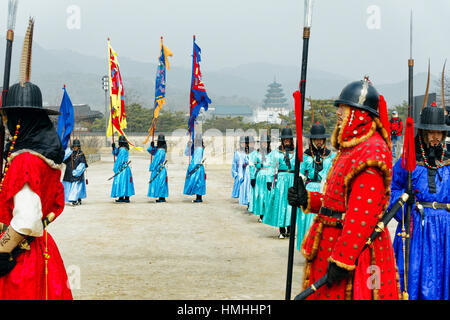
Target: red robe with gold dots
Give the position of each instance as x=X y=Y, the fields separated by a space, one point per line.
x=27 y=280
x=358 y=185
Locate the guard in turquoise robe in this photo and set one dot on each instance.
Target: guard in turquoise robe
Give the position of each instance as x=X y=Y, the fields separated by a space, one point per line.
x=263 y=177
x=283 y=162
x=317 y=160
x=253 y=157
x=158 y=183
x=195 y=183
x=123 y=186
x=238 y=168
x=244 y=192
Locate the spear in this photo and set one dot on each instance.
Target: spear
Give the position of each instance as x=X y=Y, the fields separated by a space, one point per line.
x=409 y=162
x=299 y=98
x=11 y=23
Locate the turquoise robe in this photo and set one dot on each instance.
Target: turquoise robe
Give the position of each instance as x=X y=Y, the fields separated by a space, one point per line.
x=264 y=174
x=123 y=183
x=307 y=168
x=158 y=187
x=195 y=183
x=237 y=172
x=253 y=158
x=279 y=210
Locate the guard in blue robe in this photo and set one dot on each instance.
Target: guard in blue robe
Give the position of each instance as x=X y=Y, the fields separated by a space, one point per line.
x=123 y=186
x=263 y=177
x=253 y=158
x=74 y=181
x=283 y=162
x=238 y=168
x=158 y=183
x=245 y=191
x=429 y=262
x=317 y=160
x=195 y=182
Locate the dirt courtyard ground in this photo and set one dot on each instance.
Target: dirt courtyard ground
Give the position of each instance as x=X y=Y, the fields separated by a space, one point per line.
x=170 y=251
x=174 y=250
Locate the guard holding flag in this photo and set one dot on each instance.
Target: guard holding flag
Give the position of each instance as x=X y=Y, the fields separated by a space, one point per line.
x=356 y=195
x=195 y=182
x=158 y=184
x=123 y=186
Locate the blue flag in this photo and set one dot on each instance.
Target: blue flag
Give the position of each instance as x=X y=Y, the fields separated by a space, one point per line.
x=198 y=97
x=65 y=120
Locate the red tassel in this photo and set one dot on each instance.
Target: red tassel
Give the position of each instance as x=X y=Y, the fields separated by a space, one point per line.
x=298 y=123
x=409 y=147
x=384 y=118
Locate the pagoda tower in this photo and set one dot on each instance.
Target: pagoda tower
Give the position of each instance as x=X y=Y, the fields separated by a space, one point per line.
x=275 y=97
x=273 y=105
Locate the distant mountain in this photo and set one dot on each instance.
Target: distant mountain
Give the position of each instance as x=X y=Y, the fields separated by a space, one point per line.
x=242 y=85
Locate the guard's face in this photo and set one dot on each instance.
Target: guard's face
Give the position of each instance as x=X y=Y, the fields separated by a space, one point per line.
x=319 y=143
x=340 y=112
x=434 y=137
x=4 y=118
x=286 y=142
x=75 y=148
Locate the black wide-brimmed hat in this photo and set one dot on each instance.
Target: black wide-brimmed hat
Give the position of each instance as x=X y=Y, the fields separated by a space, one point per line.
x=317 y=131
x=161 y=138
x=360 y=94
x=286 y=133
x=27 y=97
x=76 y=143
x=432 y=118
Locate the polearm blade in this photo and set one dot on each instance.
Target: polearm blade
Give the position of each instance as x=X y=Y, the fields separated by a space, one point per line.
x=11 y=23
x=299 y=144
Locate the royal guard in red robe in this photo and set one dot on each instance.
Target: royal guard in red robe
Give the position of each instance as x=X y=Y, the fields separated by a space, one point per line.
x=31 y=196
x=356 y=195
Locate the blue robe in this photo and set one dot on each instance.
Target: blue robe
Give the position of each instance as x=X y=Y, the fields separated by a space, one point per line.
x=279 y=210
x=237 y=172
x=73 y=191
x=159 y=186
x=123 y=183
x=429 y=267
x=265 y=174
x=195 y=183
x=244 y=192
x=254 y=158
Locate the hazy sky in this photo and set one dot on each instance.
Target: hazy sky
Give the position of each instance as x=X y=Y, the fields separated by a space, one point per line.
x=348 y=37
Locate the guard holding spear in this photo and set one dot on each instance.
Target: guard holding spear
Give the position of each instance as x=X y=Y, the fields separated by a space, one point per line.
x=421 y=242
x=355 y=197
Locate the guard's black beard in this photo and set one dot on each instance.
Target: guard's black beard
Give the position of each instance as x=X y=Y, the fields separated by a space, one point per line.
x=289 y=148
